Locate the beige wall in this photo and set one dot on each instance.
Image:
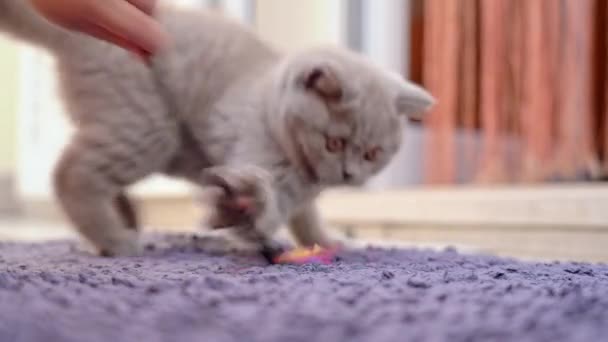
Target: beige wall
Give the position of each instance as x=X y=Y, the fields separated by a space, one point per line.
x=9 y=68
x=294 y=24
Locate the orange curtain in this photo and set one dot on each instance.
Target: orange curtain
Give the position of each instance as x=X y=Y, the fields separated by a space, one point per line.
x=602 y=62
x=526 y=77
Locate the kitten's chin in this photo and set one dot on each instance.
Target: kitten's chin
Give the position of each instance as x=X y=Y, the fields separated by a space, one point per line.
x=351 y=184
x=356 y=183
x=340 y=182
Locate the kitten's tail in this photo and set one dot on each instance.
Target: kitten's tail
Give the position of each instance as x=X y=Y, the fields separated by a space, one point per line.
x=19 y=20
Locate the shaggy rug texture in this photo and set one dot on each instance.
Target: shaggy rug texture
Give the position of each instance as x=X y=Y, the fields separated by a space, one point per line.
x=54 y=292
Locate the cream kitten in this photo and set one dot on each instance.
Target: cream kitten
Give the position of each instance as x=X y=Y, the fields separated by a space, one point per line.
x=219 y=107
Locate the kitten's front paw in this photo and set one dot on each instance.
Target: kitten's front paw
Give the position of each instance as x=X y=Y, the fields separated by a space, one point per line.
x=237 y=196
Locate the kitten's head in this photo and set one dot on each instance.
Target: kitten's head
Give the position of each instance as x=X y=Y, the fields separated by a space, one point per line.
x=343 y=115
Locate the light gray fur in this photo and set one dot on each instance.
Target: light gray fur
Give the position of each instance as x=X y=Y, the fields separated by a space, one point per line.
x=218 y=100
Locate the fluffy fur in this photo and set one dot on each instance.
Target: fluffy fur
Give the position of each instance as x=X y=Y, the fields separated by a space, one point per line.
x=219 y=107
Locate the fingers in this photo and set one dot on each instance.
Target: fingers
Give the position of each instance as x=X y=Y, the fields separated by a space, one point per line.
x=126 y=23
x=146 y=6
x=63 y=14
x=103 y=34
x=123 y=19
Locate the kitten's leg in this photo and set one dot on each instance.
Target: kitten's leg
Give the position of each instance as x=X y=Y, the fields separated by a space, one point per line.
x=307 y=229
x=127 y=211
x=93 y=171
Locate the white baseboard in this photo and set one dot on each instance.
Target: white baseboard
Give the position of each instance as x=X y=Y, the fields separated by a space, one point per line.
x=576 y=206
x=547 y=222
x=9 y=205
x=565 y=205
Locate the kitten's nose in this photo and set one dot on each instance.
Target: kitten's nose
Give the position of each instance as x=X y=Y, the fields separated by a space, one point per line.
x=347 y=176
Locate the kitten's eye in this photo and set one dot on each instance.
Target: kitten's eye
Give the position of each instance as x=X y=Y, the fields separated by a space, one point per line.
x=372 y=155
x=335 y=144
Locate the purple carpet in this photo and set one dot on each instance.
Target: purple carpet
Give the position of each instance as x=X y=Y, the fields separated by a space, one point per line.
x=53 y=292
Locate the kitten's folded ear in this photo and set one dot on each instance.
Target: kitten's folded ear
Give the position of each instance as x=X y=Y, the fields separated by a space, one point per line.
x=412 y=100
x=324 y=81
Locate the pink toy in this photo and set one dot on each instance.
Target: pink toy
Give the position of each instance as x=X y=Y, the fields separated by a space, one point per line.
x=303 y=255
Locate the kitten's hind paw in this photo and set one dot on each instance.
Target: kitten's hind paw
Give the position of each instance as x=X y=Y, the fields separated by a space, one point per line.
x=122 y=248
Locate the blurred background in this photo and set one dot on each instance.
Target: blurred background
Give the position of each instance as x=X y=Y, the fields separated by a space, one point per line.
x=511 y=161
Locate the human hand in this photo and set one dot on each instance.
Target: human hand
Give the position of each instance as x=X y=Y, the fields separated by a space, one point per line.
x=126 y=23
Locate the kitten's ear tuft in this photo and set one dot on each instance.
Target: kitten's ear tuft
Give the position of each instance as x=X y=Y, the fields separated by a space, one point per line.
x=413 y=101
x=324 y=82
